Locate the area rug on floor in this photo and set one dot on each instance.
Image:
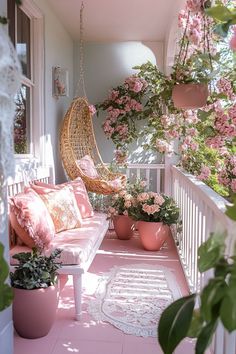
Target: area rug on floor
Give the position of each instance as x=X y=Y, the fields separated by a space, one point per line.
x=132 y=297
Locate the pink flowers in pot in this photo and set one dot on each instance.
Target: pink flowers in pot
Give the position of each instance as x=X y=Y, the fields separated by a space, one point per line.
x=154 y=207
x=125 y=199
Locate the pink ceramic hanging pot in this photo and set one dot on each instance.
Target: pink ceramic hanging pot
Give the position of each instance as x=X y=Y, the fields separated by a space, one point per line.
x=190 y=96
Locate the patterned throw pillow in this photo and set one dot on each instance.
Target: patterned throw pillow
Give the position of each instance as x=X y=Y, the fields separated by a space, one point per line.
x=31 y=220
x=63 y=209
x=80 y=192
x=87 y=166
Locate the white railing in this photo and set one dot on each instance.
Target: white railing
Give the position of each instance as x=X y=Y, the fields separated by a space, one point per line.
x=202 y=212
x=153 y=174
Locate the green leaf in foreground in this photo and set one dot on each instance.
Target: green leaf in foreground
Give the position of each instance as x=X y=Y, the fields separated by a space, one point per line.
x=212 y=294
x=175 y=322
x=228 y=306
x=205 y=336
x=211 y=251
x=6 y=296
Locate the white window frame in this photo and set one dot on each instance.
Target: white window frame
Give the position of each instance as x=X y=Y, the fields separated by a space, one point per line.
x=36 y=84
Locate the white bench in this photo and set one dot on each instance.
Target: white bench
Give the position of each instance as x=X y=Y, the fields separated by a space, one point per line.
x=95 y=228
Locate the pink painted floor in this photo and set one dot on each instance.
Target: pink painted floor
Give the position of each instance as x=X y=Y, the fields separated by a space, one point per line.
x=89 y=336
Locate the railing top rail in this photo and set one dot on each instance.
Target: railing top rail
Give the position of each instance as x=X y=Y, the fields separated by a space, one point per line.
x=146 y=165
x=210 y=197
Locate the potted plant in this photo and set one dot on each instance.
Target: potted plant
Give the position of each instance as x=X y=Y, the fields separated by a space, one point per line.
x=35 y=292
x=193 y=67
x=118 y=211
x=154 y=213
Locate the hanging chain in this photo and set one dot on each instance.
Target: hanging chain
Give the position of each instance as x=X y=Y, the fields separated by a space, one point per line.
x=81 y=82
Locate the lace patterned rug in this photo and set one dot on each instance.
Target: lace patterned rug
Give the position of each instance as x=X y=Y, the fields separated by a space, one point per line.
x=132 y=297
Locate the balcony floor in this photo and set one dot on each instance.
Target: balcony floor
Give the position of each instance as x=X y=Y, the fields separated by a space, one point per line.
x=90 y=337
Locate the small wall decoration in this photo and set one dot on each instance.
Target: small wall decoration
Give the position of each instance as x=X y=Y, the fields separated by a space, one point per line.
x=60 y=81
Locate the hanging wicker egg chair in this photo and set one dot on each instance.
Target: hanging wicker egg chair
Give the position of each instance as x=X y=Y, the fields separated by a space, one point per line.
x=77 y=140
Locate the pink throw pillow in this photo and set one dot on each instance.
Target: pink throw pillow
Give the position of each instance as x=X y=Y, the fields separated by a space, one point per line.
x=87 y=166
x=80 y=192
x=31 y=220
x=62 y=207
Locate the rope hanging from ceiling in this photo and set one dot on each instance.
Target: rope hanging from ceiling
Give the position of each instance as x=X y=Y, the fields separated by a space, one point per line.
x=77 y=139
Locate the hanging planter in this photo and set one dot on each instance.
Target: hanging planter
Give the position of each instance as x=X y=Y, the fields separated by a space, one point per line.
x=190 y=96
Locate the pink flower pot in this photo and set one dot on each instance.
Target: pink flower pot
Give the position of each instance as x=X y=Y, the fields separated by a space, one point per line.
x=190 y=96
x=124 y=226
x=153 y=234
x=34 y=311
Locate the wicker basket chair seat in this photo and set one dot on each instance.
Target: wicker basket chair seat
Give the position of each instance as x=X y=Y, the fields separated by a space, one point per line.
x=77 y=140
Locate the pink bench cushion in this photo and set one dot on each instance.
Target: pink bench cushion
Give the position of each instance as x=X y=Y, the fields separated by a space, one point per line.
x=78 y=244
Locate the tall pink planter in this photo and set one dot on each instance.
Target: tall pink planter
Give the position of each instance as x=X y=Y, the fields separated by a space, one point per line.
x=190 y=96
x=124 y=226
x=34 y=311
x=153 y=234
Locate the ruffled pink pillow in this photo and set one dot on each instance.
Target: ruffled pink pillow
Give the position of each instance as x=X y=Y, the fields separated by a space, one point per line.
x=87 y=166
x=80 y=193
x=30 y=214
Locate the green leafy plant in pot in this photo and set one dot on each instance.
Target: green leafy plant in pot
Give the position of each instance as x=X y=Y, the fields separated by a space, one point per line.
x=34 y=284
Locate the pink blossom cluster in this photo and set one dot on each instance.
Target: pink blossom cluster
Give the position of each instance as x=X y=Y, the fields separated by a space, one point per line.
x=204 y=173
x=224 y=86
x=92 y=109
x=151 y=209
x=223 y=124
x=122 y=130
x=121 y=156
x=151 y=202
x=163 y=146
x=136 y=84
x=188 y=143
x=195 y=5
x=190 y=117
x=215 y=142
x=107 y=128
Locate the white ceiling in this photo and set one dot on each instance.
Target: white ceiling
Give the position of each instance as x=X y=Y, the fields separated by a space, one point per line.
x=118 y=20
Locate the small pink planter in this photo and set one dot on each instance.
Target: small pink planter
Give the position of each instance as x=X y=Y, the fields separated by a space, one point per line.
x=124 y=226
x=153 y=234
x=190 y=96
x=34 y=311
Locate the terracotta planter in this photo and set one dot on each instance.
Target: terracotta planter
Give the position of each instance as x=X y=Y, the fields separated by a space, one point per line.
x=190 y=96
x=124 y=226
x=34 y=311
x=153 y=234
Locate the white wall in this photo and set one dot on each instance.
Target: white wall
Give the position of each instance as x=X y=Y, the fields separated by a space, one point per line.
x=106 y=66
x=58 y=52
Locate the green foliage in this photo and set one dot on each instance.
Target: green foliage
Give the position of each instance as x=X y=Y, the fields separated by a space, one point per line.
x=231 y=210
x=5 y=290
x=211 y=251
x=35 y=270
x=225 y=16
x=175 y=322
